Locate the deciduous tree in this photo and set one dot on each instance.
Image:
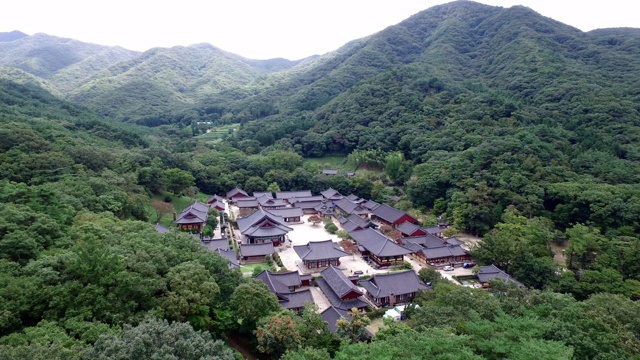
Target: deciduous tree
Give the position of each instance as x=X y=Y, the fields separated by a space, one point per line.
x=159 y=339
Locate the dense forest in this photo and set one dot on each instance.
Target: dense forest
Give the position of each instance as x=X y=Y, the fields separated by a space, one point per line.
x=507 y=124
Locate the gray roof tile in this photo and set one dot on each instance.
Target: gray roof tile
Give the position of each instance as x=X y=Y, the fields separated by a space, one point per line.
x=263 y=249
x=229 y=255
x=251 y=225
x=338 y=282
x=161 y=229
x=490 y=272
x=331 y=194
x=331 y=315
x=405 y=282
x=378 y=244
x=319 y=250
x=293 y=194
x=235 y=192
x=216 y=244
x=387 y=213
x=287 y=212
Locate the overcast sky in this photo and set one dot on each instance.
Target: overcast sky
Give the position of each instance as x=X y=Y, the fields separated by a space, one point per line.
x=262 y=29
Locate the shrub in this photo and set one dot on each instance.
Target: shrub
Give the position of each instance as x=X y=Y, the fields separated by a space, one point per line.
x=331 y=228
x=405 y=265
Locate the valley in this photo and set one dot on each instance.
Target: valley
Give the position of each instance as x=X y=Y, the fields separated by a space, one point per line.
x=515 y=135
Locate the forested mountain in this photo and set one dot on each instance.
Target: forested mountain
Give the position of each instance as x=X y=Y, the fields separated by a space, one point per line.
x=155 y=87
x=507 y=124
x=46 y=56
x=161 y=83
x=481 y=100
x=12 y=35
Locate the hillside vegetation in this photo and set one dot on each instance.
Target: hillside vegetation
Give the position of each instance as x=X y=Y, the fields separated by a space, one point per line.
x=507 y=124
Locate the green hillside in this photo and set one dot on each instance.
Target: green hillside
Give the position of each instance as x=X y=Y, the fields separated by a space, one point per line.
x=476 y=97
x=506 y=124
x=45 y=55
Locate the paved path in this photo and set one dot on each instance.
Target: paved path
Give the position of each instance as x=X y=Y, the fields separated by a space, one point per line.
x=320 y=299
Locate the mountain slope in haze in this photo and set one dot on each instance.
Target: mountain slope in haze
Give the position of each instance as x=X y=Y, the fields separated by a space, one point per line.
x=162 y=81
x=490 y=107
x=11 y=36
x=145 y=87
x=45 y=55
x=522 y=60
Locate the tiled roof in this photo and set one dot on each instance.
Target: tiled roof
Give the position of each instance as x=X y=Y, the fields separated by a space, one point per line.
x=217 y=204
x=453 y=241
x=371 y=205
x=215 y=198
x=443 y=252
x=382 y=285
x=249 y=202
x=362 y=222
x=308 y=204
x=490 y=272
x=288 y=279
x=287 y=212
x=413 y=247
x=428 y=241
x=295 y=300
x=352 y=197
x=331 y=315
x=293 y=194
x=273 y=283
x=331 y=194
x=325 y=208
x=263 y=249
x=161 y=229
x=378 y=244
x=251 y=225
x=336 y=301
x=349 y=225
x=268 y=202
x=267 y=194
x=349 y=207
x=433 y=230
x=195 y=213
x=319 y=250
x=387 y=213
x=291 y=278
x=276 y=230
x=408 y=228
x=338 y=281
x=216 y=244
x=229 y=255
x=316 y=198
x=236 y=191
x=279 y=284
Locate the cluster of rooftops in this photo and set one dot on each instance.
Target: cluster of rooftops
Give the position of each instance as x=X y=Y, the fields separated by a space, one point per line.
x=266 y=227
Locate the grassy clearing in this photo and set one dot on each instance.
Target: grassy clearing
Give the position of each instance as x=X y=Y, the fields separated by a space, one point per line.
x=375 y=325
x=219 y=132
x=179 y=202
x=338 y=162
x=247 y=270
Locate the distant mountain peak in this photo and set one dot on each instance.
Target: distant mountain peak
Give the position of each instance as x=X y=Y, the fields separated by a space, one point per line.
x=11 y=36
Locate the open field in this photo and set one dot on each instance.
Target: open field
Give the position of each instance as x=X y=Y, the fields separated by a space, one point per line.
x=247 y=270
x=219 y=132
x=338 y=162
x=179 y=202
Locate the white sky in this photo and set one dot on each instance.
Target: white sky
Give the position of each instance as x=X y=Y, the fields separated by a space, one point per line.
x=262 y=29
